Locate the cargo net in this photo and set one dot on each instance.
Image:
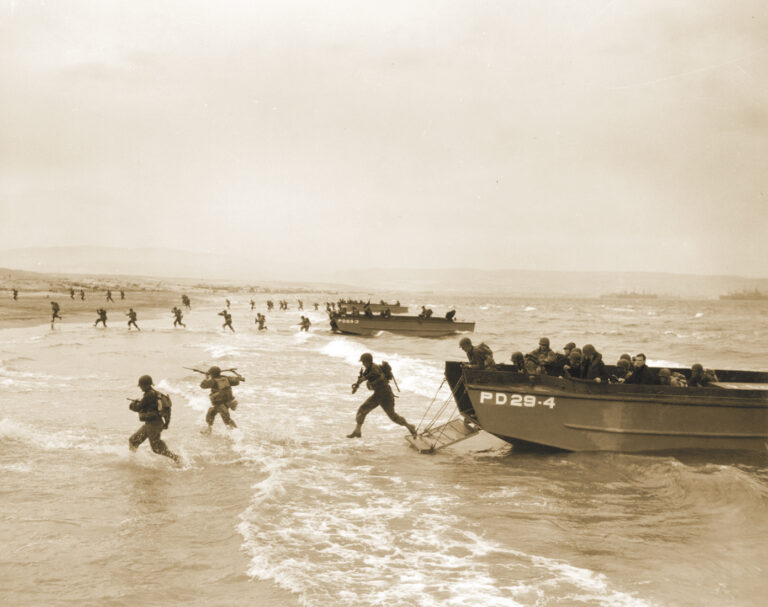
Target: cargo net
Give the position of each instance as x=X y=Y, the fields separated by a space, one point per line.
x=440 y=427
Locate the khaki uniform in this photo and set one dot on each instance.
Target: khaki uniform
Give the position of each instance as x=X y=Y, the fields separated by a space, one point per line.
x=382 y=396
x=152 y=428
x=222 y=399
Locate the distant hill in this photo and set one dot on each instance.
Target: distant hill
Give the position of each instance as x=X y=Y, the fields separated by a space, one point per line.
x=201 y=266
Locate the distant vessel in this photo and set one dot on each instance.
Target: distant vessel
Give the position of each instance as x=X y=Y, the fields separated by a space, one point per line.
x=578 y=415
x=401 y=325
x=745 y=295
x=629 y=295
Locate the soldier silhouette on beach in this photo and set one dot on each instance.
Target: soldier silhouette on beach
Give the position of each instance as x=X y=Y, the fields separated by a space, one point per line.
x=54 y=312
x=227 y=320
x=102 y=318
x=178 y=316
x=131 y=314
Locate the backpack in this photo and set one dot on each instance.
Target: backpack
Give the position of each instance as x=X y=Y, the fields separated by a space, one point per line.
x=387 y=370
x=164 y=405
x=221 y=393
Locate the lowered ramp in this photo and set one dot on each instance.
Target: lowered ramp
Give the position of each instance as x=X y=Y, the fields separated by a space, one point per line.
x=438 y=437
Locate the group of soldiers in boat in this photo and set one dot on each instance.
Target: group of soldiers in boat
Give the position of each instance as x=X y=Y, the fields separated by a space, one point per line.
x=586 y=363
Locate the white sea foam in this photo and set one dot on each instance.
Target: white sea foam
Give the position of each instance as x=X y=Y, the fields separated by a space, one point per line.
x=412 y=374
x=365 y=541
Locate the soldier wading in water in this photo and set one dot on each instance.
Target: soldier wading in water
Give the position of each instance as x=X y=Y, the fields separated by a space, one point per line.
x=222 y=399
x=154 y=410
x=377 y=379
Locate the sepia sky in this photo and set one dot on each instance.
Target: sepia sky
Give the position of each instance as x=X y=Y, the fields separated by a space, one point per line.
x=555 y=135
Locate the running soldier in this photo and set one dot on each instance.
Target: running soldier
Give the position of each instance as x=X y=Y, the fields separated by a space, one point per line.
x=377 y=379
x=222 y=399
x=178 y=314
x=109 y=296
x=156 y=416
x=131 y=314
x=227 y=320
x=102 y=318
x=54 y=312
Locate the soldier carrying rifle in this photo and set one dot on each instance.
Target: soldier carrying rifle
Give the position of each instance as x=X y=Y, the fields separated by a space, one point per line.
x=222 y=399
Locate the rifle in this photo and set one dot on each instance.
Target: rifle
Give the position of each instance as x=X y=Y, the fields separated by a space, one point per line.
x=360 y=379
x=232 y=370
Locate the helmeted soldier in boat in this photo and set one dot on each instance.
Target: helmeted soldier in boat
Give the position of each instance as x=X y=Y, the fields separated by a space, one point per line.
x=156 y=417
x=480 y=357
x=701 y=376
x=672 y=378
x=538 y=360
x=377 y=379
x=592 y=365
x=222 y=399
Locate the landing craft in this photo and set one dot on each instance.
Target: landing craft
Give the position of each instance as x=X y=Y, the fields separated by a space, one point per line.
x=401 y=325
x=579 y=415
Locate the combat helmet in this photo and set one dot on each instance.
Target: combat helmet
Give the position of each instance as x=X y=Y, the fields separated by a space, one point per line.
x=214 y=371
x=145 y=380
x=465 y=343
x=366 y=358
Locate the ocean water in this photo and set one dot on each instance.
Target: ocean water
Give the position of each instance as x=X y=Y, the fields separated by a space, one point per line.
x=286 y=510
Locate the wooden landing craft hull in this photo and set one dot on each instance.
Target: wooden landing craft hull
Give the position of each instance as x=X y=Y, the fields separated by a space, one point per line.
x=576 y=415
x=400 y=325
x=375 y=308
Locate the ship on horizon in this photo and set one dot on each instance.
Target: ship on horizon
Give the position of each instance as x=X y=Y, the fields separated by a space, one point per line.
x=629 y=295
x=745 y=295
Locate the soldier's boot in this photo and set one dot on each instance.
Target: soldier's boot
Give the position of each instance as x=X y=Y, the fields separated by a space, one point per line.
x=207 y=429
x=412 y=430
x=356 y=433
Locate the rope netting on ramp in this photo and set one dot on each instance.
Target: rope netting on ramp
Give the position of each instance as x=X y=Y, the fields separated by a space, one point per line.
x=441 y=425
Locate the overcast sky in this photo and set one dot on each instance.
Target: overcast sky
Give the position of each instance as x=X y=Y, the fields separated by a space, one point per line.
x=544 y=135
